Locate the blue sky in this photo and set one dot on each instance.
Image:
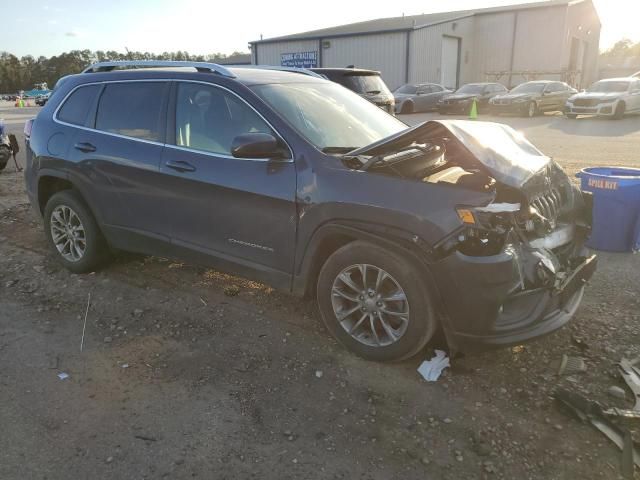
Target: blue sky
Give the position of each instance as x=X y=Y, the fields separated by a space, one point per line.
x=205 y=26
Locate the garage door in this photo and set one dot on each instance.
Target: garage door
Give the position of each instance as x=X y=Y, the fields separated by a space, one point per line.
x=449 y=62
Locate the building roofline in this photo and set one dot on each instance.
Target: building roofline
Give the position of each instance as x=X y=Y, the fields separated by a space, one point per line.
x=329 y=36
x=317 y=35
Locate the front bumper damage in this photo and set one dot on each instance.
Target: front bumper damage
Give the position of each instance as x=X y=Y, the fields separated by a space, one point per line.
x=486 y=306
x=514 y=268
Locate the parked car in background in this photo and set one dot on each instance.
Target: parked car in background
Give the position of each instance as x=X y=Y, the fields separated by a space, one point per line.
x=41 y=100
x=366 y=83
x=611 y=97
x=418 y=97
x=532 y=98
x=290 y=179
x=460 y=101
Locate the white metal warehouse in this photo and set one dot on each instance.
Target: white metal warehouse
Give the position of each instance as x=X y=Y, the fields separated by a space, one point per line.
x=554 y=39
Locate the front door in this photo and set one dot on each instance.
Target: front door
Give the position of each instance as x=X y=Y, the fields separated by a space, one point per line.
x=449 y=62
x=238 y=213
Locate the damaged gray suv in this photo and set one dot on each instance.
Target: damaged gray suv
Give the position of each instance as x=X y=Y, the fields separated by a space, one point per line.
x=287 y=178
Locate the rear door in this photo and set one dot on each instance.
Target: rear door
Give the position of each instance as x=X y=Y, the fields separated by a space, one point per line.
x=119 y=156
x=234 y=210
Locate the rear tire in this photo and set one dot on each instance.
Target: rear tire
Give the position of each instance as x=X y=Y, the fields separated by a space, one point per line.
x=73 y=233
x=391 y=319
x=620 y=109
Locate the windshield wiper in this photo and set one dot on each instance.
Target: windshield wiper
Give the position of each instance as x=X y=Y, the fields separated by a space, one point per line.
x=373 y=92
x=337 y=149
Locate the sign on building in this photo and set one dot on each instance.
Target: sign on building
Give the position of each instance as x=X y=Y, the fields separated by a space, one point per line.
x=299 y=59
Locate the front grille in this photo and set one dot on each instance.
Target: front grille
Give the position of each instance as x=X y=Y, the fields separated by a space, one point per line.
x=586 y=102
x=548 y=204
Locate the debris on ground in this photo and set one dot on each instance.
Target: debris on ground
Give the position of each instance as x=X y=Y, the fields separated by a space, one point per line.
x=432 y=369
x=616 y=392
x=590 y=412
x=570 y=365
x=63 y=375
x=631 y=375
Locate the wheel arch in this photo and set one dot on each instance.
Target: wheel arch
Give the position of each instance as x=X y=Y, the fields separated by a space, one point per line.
x=51 y=182
x=329 y=237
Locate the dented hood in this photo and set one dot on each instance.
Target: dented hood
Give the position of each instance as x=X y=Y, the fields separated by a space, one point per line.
x=504 y=153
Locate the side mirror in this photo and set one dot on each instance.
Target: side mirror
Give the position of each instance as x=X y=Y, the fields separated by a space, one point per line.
x=257 y=145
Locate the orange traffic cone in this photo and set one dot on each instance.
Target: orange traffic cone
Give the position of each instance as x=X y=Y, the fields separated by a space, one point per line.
x=473 y=114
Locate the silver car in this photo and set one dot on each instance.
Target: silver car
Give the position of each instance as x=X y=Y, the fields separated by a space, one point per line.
x=612 y=97
x=421 y=97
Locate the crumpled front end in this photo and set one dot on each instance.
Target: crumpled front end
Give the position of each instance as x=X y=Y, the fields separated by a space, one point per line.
x=517 y=269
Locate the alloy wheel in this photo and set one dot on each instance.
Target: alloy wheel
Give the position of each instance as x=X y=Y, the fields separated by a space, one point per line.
x=370 y=305
x=67 y=233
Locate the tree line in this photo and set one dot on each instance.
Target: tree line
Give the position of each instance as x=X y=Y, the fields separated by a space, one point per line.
x=623 y=49
x=22 y=73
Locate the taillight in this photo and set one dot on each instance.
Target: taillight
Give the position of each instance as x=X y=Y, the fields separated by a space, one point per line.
x=28 y=125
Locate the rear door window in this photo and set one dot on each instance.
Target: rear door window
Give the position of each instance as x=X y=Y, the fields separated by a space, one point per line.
x=133 y=109
x=76 y=107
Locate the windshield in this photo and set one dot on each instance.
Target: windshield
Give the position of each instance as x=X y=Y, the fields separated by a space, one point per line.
x=609 y=87
x=363 y=83
x=408 y=89
x=529 y=88
x=471 y=88
x=329 y=116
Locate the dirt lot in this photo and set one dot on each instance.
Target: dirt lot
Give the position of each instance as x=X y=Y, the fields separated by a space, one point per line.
x=187 y=372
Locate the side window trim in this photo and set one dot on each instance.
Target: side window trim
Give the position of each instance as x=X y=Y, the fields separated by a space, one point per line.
x=104 y=83
x=173 y=103
x=66 y=98
x=170 y=130
x=93 y=111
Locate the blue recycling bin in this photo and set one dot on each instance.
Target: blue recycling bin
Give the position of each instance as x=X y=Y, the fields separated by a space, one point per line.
x=616 y=207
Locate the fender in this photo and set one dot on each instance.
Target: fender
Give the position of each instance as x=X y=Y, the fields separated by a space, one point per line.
x=391 y=238
x=75 y=182
x=409 y=244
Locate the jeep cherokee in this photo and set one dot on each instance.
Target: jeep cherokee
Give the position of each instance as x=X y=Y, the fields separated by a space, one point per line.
x=291 y=179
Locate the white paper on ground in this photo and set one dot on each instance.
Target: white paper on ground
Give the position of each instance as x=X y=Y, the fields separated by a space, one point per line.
x=431 y=369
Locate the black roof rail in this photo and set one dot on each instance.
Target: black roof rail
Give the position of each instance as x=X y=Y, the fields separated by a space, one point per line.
x=132 y=64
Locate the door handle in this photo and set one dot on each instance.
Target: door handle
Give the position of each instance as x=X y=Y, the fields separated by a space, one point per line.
x=180 y=166
x=84 y=147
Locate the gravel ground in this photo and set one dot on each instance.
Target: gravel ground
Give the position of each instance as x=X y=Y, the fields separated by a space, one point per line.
x=187 y=372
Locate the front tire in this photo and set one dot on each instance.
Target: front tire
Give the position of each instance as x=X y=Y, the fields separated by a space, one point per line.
x=375 y=302
x=620 y=109
x=73 y=233
x=407 y=107
x=532 y=109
